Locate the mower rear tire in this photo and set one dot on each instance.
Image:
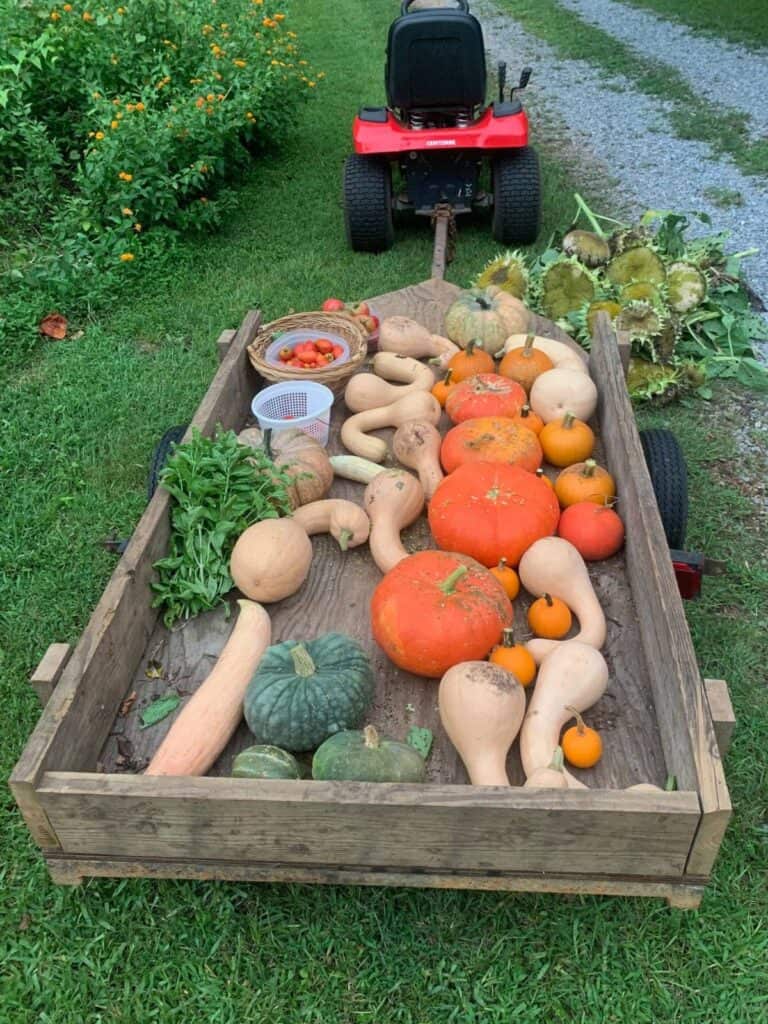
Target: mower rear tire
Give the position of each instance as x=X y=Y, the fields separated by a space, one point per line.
x=368 y=203
x=517 y=196
x=667 y=470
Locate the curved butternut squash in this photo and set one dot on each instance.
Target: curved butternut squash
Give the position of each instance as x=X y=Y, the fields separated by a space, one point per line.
x=482 y=709
x=368 y=391
x=416 y=444
x=562 y=355
x=403 y=370
x=210 y=717
x=344 y=520
x=404 y=336
x=354 y=433
x=551 y=777
x=573 y=676
x=393 y=500
x=554 y=566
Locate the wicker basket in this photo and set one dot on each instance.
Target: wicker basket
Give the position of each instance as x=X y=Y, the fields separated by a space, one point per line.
x=336 y=375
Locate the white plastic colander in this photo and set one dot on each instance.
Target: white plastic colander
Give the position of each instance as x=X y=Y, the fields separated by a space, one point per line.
x=300 y=404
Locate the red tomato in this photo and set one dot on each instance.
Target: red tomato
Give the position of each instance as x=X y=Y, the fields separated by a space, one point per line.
x=338 y=351
x=323 y=345
x=333 y=305
x=297 y=363
x=286 y=354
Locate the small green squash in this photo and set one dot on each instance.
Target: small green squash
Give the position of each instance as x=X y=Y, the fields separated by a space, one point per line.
x=477 y=316
x=265 y=762
x=302 y=693
x=364 y=756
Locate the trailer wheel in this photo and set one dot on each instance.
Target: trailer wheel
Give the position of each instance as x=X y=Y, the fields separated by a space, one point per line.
x=668 y=473
x=163 y=449
x=368 y=203
x=516 y=196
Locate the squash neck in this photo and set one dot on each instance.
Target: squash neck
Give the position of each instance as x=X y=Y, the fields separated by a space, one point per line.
x=303 y=665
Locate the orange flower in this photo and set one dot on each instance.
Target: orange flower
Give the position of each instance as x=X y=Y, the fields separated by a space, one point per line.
x=121 y=10
x=125 y=176
x=210 y=97
x=239 y=63
x=96 y=95
x=199 y=102
x=127 y=211
x=87 y=16
x=209 y=110
x=99 y=136
x=140 y=107
x=114 y=125
x=67 y=8
x=279 y=17
x=137 y=227
x=311 y=84
x=126 y=257
x=55 y=16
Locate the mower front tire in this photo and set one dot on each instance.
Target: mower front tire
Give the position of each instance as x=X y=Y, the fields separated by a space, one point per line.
x=368 y=203
x=516 y=196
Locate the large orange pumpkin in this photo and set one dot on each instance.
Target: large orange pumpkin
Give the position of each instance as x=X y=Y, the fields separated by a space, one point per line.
x=491 y=511
x=490 y=439
x=436 y=609
x=486 y=394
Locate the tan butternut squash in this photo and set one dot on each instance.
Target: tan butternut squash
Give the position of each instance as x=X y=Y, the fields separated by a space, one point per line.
x=482 y=709
x=271 y=559
x=393 y=500
x=573 y=676
x=352 y=467
x=416 y=445
x=405 y=337
x=368 y=391
x=354 y=432
x=210 y=717
x=562 y=355
x=344 y=520
x=553 y=566
x=403 y=370
x=563 y=390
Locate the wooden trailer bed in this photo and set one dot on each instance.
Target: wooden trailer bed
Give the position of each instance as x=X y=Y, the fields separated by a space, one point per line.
x=79 y=786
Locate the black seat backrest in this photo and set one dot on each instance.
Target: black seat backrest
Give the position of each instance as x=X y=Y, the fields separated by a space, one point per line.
x=435 y=61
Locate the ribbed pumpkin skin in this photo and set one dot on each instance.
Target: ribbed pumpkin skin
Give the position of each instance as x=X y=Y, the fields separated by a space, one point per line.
x=347 y=757
x=492 y=511
x=426 y=631
x=296 y=712
x=475 y=315
x=265 y=762
x=490 y=439
x=486 y=394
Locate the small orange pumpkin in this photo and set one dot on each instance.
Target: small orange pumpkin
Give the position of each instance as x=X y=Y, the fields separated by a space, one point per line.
x=581 y=744
x=443 y=388
x=470 y=362
x=514 y=658
x=485 y=394
x=490 y=439
x=567 y=440
x=549 y=617
x=508 y=578
x=529 y=419
x=525 y=364
x=584 y=481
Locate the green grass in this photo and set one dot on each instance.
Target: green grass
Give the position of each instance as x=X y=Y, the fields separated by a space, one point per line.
x=78 y=426
x=691 y=116
x=743 y=22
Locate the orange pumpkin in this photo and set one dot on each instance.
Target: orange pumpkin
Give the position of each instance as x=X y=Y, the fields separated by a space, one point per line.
x=514 y=658
x=471 y=361
x=549 y=617
x=436 y=609
x=443 y=388
x=584 y=481
x=508 y=578
x=490 y=439
x=529 y=419
x=596 y=531
x=490 y=511
x=525 y=364
x=485 y=394
x=567 y=440
x=582 y=745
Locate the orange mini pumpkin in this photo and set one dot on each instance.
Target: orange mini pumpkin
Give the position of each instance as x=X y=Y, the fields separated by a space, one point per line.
x=567 y=440
x=443 y=388
x=549 y=617
x=584 y=481
x=485 y=394
x=491 y=511
x=581 y=744
x=515 y=658
x=508 y=578
x=490 y=439
x=529 y=419
x=525 y=364
x=471 y=361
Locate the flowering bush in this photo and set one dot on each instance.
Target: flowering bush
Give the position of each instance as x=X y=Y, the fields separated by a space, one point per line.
x=123 y=125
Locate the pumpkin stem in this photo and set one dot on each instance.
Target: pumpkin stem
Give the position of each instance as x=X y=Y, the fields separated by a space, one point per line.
x=449 y=583
x=528 y=346
x=371 y=737
x=482 y=302
x=345 y=536
x=302 y=661
x=557 y=759
x=568 y=420
x=447 y=377
x=525 y=412
x=579 y=720
x=472 y=345
x=508 y=637
x=589 y=468
x=548 y=599
x=671 y=784
x=540 y=473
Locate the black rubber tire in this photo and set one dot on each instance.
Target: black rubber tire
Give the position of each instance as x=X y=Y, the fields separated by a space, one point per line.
x=669 y=476
x=368 y=203
x=171 y=437
x=516 y=176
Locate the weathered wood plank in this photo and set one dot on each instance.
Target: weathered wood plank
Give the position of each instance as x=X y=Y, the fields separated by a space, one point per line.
x=687 y=734
x=48 y=672
x=721 y=709
x=425 y=302
x=384 y=825
x=223 y=342
x=70 y=871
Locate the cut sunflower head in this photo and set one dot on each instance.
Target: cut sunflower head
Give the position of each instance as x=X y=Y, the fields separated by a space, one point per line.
x=565 y=286
x=642 y=321
x=631 y=237
x=587 y=247
x=506 y=271
x=640 y=264
x=647 y=382
x=686 y=286
x=647 y=291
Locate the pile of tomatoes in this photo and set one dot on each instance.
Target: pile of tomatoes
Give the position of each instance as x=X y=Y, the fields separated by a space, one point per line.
x=313 y=354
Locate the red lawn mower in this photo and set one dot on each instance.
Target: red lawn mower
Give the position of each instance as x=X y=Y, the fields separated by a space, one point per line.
x=439 y=134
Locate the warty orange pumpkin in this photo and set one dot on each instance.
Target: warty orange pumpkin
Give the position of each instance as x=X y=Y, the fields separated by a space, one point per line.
x=485 y=394
x=490 y=439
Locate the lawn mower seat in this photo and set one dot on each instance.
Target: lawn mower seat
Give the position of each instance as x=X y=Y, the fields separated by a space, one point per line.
x=435 y=61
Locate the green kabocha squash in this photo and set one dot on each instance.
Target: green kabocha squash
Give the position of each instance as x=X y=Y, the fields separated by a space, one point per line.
x=364 y=756
x=265 y=762
x=301 y=693
x=485 y=316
